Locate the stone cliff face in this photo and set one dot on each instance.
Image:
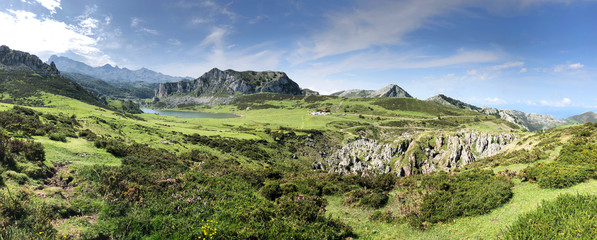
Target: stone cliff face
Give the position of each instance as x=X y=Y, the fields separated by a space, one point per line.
x=15 y=59
x=217 y=82
x=441 y=152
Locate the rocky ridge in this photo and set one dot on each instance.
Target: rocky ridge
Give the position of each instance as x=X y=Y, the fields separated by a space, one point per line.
x=391 y=90
x=16 y=59
x=529 y=121
x=217 y=86
x=440 y=152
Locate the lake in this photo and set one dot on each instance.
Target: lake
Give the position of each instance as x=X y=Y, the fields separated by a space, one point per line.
x=183 y=114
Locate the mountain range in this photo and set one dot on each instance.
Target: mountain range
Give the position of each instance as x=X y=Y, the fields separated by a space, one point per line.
x=214 y=87
x=111 y=74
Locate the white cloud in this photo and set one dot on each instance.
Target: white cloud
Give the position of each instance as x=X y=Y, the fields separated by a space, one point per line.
x=563 y=67
x=522 y=70
x=495 y=100
x=575 y=66
x=50 y=4
x=564 y=102
x=135 y=21
x=25 y=31
x=508 y=65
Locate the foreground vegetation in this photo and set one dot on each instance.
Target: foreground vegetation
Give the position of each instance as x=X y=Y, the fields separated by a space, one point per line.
x=71 y=170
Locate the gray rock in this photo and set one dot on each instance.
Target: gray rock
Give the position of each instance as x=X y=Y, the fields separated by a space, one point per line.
x=450 y=151
x=17 y=59
x=225 y=83
x=391 y=90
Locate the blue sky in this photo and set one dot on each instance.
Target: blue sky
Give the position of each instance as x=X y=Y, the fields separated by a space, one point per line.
x=530 y=55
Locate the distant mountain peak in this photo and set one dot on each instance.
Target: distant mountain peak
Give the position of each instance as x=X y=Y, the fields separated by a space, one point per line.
x=391 y=90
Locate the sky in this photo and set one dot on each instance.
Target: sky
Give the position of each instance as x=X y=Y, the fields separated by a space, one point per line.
x=530 y=55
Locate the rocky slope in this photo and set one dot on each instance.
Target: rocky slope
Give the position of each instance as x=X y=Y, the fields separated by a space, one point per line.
x=451 y=102
x=440 y=152
x=217 y=86
x=13 y=59
x=530 y=121
x=110 y=73
x=391 y=90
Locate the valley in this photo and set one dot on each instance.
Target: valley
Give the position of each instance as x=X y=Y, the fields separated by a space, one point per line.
x=275 y=161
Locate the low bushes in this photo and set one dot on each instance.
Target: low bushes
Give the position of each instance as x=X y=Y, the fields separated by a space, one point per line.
x=557 y=174
x=566 y=217
x=466 y=194
x=577 y=162
x=366 y=198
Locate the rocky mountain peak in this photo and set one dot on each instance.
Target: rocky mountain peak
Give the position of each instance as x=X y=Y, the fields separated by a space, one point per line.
x=220 y=83
x=15 y=59
x=391 y=90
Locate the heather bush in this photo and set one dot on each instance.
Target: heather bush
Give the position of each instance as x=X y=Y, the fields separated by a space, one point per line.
x=566 y=217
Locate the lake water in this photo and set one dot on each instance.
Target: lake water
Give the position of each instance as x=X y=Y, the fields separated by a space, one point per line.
x=182 y=114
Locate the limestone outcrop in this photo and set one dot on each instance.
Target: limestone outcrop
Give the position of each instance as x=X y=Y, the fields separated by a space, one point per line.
x=423 y=155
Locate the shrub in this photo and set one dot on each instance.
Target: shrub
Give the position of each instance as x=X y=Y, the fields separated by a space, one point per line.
x=566 y=217
x=386 y=216
x=57 y=137
x=366 y=198
x=557 y=174
x=466 y=194
x=271 y=190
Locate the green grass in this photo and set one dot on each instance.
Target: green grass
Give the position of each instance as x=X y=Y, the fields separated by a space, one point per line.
x=77 y=151
x=527 y=197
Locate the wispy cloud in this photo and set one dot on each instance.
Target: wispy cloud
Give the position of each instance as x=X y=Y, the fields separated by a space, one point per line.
x=383 y=60
x=216 y=52
x=522 y=70
x=495 y=100
x=564 y=67
x=373 y=23
x=137 y=23
x=563 y=103
x=508 y=65
x=174 y=42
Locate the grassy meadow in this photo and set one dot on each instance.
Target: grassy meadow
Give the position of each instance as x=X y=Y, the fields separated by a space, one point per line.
x=72 y=170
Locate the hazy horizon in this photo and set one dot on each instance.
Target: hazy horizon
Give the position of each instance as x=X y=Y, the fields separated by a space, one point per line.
x=535 y=56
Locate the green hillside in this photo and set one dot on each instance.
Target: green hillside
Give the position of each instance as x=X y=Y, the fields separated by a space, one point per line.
x=92 y=173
